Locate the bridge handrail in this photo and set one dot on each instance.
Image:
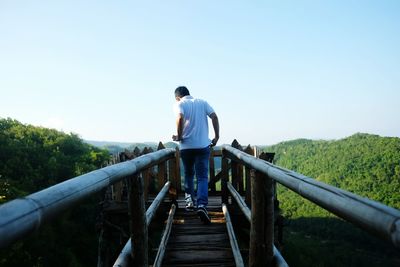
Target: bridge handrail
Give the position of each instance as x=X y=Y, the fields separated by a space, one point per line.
x=124 y=259
x=38 y=208
x=370 y=215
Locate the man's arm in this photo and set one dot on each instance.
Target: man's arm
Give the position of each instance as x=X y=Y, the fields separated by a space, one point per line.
x=179 y=128
x=215 y=123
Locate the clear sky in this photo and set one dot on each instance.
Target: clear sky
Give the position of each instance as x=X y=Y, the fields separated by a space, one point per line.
x=272 y=70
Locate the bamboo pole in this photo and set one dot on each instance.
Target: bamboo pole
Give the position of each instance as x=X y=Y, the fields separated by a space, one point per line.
x=239 y=201
x=232 y=238
x=164 y=240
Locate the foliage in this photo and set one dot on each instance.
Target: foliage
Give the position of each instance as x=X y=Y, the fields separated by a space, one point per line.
x=367 y=165
x=34 y=158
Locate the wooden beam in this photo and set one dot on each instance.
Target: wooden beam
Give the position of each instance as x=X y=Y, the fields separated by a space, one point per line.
x=164 y=240
x=239 y=201
x=138 y=223
x=161 y=170
x=178 y=170
x=172 y=178
x=232 y=238
x=249 y=150
x=257 y=255
x=234 y=167
x=211 y=183
x=224 y=179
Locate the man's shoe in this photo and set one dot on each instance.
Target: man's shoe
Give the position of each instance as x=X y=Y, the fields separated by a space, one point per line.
x=203 y=214
x=189 y=202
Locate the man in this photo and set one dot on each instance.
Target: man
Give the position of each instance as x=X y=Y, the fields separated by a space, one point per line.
x=192 y=133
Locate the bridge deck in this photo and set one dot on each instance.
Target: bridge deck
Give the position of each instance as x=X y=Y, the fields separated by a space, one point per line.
x=194 y=244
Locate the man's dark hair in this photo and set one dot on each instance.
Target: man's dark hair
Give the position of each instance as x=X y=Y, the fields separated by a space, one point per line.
x=181 y=91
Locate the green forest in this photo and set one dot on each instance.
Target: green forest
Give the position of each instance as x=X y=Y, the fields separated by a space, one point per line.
x=33 y=158
x=368 y=165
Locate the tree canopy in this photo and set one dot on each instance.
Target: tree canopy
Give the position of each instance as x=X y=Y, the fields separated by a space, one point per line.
x=33 y=158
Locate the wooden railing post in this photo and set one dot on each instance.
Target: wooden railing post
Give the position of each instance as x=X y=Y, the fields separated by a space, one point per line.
x=161 y=170
x=172 y=173
x=178 y=170
x=211 y=183
x=248 y=150
x=224 y=179
x=272 y=204
x=138 y=223
x=235 y=168
x=257 y=224
x=262 y=220
x=270 y=219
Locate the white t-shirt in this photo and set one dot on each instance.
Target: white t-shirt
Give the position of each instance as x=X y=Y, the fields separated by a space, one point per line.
x=195 y=123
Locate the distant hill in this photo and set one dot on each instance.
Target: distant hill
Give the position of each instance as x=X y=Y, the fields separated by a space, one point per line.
x=365 y=164
x=117 y=147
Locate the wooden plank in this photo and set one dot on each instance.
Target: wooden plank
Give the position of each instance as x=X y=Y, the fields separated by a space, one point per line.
x=194 y=244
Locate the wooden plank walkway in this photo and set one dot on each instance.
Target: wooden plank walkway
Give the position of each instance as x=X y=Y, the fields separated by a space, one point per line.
x=194 y=244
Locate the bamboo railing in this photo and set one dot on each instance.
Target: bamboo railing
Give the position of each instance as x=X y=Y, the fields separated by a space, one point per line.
x=246 y=176
x=369 y=215
x=36 y=209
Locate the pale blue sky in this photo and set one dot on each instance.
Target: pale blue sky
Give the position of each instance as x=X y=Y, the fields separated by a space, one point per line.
x=273 y=70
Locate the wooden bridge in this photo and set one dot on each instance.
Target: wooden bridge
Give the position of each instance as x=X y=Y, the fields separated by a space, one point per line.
x=140 y=188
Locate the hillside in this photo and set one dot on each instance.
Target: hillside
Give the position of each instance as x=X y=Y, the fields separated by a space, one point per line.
x=368 y=165
x=117 y=147
x=33 y=158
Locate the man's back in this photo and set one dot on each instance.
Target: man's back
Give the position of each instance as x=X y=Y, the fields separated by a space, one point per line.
x=195 y=123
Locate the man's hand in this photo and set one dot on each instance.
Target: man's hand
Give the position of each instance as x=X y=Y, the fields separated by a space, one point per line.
x=175 y=138
x=214 y=141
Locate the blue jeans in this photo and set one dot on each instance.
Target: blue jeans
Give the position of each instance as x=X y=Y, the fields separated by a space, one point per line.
x=196 y=161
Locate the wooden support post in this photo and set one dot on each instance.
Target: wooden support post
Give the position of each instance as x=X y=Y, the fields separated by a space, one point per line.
x=161 y=170
x=272 y=204
x=173 y=179
x=146 y=183
x=211 y=183
x=248 y=150
x=257 y=255
x=138 y=223
x=270 y=219
x=224 y=179
x=234 y=168
x=178 y=170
